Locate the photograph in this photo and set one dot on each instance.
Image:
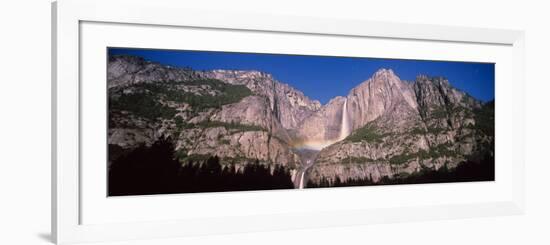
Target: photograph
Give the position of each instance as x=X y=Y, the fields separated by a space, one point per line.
x=195 y=121
x=275 y=122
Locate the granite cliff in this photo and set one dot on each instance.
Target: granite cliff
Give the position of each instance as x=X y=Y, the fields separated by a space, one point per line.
x=400 y=128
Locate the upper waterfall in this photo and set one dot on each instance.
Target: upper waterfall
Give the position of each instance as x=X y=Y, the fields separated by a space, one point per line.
x=344 y=128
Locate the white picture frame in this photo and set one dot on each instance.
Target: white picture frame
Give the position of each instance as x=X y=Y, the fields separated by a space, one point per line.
x=67 y=195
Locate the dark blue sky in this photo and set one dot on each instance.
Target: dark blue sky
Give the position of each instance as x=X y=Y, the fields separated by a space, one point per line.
x=324 y=77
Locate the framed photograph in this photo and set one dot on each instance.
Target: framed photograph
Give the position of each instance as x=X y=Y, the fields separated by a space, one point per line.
x=206 y=123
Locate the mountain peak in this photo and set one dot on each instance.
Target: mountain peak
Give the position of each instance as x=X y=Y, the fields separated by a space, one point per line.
x=127 y=59
x=386 y=75
x=438 y=80
x=384 y=71
x=242 y=74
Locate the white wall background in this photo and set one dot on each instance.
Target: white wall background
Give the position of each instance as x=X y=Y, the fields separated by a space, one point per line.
x=25 y=122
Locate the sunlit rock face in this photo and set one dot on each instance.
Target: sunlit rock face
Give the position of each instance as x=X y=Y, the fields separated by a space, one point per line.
x=383 y=94
x=403 y=127
x=289 y=105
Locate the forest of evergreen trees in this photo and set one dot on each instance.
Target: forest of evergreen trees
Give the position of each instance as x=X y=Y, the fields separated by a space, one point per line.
x=154 y=170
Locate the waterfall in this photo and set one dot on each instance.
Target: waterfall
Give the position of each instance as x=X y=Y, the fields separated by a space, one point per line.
x=302 y=180
x=344 y=129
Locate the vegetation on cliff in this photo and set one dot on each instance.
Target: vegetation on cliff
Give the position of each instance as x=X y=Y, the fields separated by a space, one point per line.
x=150 y=100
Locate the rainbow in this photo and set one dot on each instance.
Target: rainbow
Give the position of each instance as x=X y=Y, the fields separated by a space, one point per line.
x=318 y=145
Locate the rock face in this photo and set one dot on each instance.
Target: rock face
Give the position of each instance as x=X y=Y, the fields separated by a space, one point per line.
x=384 y=127
x=401 y=128
x=127 y=70
x=240 y=116
x=289 y=106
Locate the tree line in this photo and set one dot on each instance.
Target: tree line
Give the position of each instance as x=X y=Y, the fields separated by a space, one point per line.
x=155 y=170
